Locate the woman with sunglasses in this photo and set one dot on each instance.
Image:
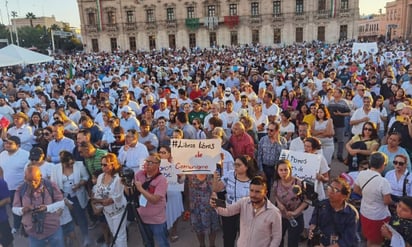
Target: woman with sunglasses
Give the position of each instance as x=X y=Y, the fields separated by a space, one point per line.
x=361 y=146
x=290 y=205
x=236 y=183
x=71 y=177
x=399 y=178
x=392 y=149
x=108 y=194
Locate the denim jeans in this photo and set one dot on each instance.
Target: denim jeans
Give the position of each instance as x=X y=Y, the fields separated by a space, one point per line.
x=154 y=232
x=56 y=239
x=79 y=215
x=16 y=218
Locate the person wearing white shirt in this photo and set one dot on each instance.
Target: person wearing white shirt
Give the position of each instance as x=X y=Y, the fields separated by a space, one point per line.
x=21 y=130
x=133 y=153
x=13 y=160
x=128 y=121
x=363 y=115
x=214 y=112
x=163 y=110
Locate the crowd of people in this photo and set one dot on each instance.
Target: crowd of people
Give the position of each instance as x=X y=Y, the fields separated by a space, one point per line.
x=78 y=120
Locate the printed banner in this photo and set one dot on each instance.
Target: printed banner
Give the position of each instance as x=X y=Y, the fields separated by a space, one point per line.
x=195 y=156
x=170 y=172
x=365 y=47
x=304 y=165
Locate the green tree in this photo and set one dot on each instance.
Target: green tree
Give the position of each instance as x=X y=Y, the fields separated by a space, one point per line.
x=30 y=16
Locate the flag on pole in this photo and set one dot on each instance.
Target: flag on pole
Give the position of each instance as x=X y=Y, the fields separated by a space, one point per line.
x=333 y=8
x=99 y=16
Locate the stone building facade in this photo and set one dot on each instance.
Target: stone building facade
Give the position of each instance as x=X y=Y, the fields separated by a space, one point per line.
x=372 y=27
x=108 y=25
x=399 y=19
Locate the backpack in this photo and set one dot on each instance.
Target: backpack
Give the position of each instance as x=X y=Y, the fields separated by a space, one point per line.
x=46 y=184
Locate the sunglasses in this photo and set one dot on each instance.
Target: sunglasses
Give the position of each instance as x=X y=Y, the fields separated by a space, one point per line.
x=270 y=130
x=56 y=118
x=368 y=129
x=46 y=133
x=398 y=163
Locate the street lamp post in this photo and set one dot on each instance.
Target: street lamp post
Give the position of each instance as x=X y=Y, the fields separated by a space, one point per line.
x=14 y=14
x=8 y=17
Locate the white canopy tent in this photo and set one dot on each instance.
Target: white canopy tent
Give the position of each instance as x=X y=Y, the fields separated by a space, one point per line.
x=13 y=55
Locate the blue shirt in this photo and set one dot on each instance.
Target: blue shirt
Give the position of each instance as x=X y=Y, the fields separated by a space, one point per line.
x=4 y=193
x=55 y=147
x=342 y=223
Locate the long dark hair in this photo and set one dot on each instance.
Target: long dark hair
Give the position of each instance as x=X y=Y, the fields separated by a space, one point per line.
x=250 y=164
x=374 y=135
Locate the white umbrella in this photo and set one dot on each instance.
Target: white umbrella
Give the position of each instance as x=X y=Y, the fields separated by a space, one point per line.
x=23 y=56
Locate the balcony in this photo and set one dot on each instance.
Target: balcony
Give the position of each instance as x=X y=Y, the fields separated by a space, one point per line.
x=255 y=20
x=151 y=25
x=278 y=17
x=300 y=16
x=91 y=28
x=111 y=27
x=323 y=14
x=171 y=24
x=130 y=26
x=344 y=13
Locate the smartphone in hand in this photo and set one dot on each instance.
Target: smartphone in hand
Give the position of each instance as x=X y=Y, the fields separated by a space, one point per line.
x=219 y=202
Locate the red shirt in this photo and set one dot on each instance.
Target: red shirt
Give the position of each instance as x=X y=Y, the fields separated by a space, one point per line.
x=242 y=145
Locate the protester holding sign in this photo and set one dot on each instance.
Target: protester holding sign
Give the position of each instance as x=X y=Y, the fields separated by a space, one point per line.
x=236 y=183
x=174 y=203
x=290 y=204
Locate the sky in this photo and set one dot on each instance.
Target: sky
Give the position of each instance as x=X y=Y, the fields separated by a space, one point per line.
x=67 y=10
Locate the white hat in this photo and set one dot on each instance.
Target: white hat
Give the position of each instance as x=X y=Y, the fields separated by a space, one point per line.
x=126 y=109
x=162 y=100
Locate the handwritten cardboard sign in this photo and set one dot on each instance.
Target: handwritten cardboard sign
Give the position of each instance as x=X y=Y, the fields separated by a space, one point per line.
x=195 y=156
x=170 y=172
x=304 y=165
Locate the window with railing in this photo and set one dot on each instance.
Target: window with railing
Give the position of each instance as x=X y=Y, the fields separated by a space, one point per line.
x=232 y=9
x=150 y=17
x=276 y=7
x=190 y=12
x=211 y=10
x=170 y=14
x=299 y=7
x=254 y=9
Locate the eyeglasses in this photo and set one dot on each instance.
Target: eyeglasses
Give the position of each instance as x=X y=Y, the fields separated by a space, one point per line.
x=46 y=133
x=150 y=162
x=270 y=130
x=56 y=118
x=400 y=163
x=194 y=123
x=117 y=136
x=334 y=189
x=368 y=129
x=162 y=152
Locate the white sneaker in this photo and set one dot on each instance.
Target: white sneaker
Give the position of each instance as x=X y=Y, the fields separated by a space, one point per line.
x=13 y=230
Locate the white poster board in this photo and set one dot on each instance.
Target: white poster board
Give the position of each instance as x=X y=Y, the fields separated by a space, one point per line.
x=195 y=156
x=169 y=171
x=371 y=47
x=304 y=165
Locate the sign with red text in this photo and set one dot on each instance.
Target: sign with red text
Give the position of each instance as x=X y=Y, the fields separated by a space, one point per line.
x=168 y=170
x=195 y=156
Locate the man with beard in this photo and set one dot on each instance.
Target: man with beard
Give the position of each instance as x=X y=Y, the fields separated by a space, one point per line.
x=297 y=143
x=260 y=220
